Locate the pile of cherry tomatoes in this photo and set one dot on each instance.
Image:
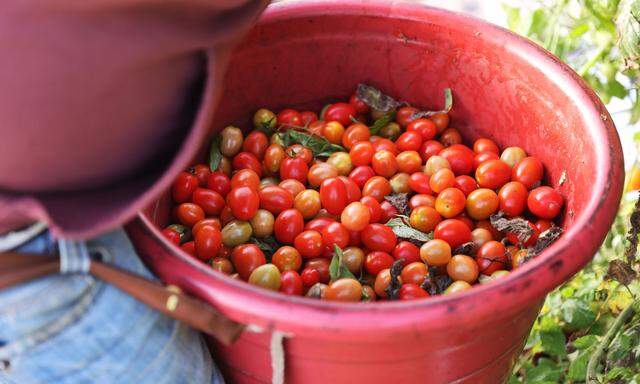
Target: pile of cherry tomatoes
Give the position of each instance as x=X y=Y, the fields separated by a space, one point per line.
x=276 y=213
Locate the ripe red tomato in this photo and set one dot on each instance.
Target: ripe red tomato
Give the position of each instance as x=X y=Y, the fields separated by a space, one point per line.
x=375 y=211
x=485 y=145
x=450 y=136
x=419 y=183
x=355 y=216
x=528 y=171
x=442 y=179
x=309 y=277
x=422 y=200
x=450 y=202
x=361 y=153
x=340 y=112
x=256 y=143
x=333 y=195
x=294 y=168
x=481 y=204
x=513 y=198
x=246 y=258
x=409 y=141
x=211 y=222
x=405 y=114
x=345 y=289
x=322 y=266
x=334 y=234
x=491 y=257
x=211 y=202
x=384 y=145
x=358 y=104
x=466 y=184
x=411 y=292
x=493 y=174
x=407 y=252
x=414 y=273
x=286 y=258
x=360 y=175
x=377 y=187
x=275 y=199
x=289 y=117
x=409 y=162
x=543 y=225
x=246 y=160
x=376 y=261
x=453 y=231
x=425 y=127
x=379 y=237
x=202 y=173
x=219 y=182
x=188 y=214
x=291 y=283
x=309 y=243
x=353 y=191
x=481 y=157
x=243 y=202
x=318 y=224
x=430 y=148
x=288 y=225
x=190 y=248
x=183 y=187
x=354 y=239
x=460 y=158
x=308 y=117
x=384 y=163
x=545 y=202
x=208 y=242
x=245 y=178
x=171 y=235
x=293 y=186
x=388 y=211
x=300 y=151
x=355 y=133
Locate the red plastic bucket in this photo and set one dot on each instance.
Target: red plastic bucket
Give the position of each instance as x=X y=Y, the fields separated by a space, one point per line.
x=306 y=53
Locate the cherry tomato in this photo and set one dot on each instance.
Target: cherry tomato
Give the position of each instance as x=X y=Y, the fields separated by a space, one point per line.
x=462 y=267
x=379 y=237
x=466 y=184
x=457 y=286
x=384 y=163
x=223 y=265
x=340 y=112
x=482 y=203
x=275 y=199
x=300 y=151
x=309 y=243
x=430 y=148
x=485 y=224
x=317 y=127
x=513 y=198
x=310 y=277
x=422 y=200
x=245 y=178
x=480 y=236
x=202 y=173
x=360 y=175
x=334 y=234
x=388 y=211
x=318 y=224
x=308 y=117
x=435 y=252
x=491 y=257
x=513 y=155
x=333 y=195
x=291 y=283
x=355 y=133
x=441 y=180
x=244 y=202
x=308 y=203
x=353 y=259
x=219 y=182
x=190 y=248
x=407 y=252
x=171 y=235
x=465 y=219
x=246 y=258
x=485 y=145
x=377 y=187
x=481 y=157
x=450 y=202
x=333 y=131
x=411 y=292
x=460 y=158
x=184 y=186
x=528 y=171
x=405 y=114
x=353 y=191
x=226 y=215
x=434 y=164
x=409 y=141
x=287 y=258
x=358 y=104
x=542 y=225
x=294 y=168
x=441 y=120
x=273 y=156
x=376 y=261
x=375 y=211
x=384 y=145
x=208 y=242
x=450 y=136
x=230 y=141
x=361 y=153
x=414 y=273
x=493 y=174
x=211 y=202
x=266 y=276
x=344 y=290
x=545 y=202
x=424 y=219
x=288 y=225
x=262 y=223
x=425 y=127
x=293 y=186
x=321 y=172
x=355 y=216
x=409 y=161
x=246 y=160
x=289 y=117
x=322 y=266
x=383 y=279
x=189 y=214
x=453 y=231
x=256 y=143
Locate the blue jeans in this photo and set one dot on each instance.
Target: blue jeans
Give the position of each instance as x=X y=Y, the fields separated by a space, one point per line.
x=76 y=329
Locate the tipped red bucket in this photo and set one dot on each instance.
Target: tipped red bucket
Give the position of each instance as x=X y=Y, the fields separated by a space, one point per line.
x=304 y=54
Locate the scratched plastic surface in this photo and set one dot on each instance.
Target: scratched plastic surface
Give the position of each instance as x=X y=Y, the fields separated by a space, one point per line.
x=305 y=54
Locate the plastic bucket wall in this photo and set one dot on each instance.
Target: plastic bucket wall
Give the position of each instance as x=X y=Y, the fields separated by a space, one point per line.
x=307 y=53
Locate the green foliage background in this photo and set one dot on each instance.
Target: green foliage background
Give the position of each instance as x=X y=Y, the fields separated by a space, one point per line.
x=600 y=40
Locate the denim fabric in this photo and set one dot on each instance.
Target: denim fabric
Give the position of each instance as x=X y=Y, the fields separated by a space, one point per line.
x=72 y=329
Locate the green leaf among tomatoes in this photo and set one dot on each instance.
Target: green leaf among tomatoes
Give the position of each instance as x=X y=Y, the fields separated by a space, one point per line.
x=268 y=245
x=381 y=123
x=320 y=146
x=215 y=156
x=337 y=269
x=405 y=231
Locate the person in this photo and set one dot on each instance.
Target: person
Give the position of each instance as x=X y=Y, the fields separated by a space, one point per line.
x=102 y=104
